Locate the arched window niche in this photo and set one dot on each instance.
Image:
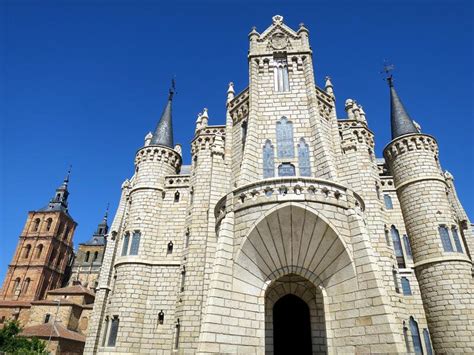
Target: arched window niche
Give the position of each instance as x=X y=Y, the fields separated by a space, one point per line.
x=303 y=158
x=268 y=160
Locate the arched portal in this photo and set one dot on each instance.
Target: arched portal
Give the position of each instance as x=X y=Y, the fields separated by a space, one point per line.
x=291 y=326
x=293 y=249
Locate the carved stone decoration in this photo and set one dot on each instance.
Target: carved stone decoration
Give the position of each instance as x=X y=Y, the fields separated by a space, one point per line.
x=277 y=19
x=279 y=41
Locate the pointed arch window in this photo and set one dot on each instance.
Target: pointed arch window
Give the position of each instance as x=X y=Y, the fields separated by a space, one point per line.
x=88 y=255
x=397 y=247
x=244 y=134
x=415 y=336
x=96 y=255
x=176 y=196
x=395 y=279
x=268 y=160
x=66 y=233
x=303 y=158
x=281 y=79
x=284 y=134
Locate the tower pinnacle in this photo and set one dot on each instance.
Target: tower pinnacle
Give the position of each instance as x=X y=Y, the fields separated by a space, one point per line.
x=163 y=134
x=400 y=120
x=59 y=201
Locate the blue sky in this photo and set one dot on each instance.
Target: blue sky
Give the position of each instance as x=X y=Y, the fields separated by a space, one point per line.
x=82 y=82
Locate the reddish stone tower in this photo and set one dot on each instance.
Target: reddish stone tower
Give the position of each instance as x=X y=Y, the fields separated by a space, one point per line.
x=43 y=253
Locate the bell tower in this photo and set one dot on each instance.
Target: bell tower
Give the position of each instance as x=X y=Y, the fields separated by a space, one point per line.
x=43 y=252
x=282 y=132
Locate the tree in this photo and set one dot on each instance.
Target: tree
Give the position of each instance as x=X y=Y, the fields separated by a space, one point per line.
x=11 y=343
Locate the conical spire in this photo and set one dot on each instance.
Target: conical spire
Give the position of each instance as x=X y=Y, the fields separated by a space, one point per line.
x=400 y=120
x=163 y=134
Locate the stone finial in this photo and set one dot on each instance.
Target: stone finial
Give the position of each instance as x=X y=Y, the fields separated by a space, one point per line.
x=148 y=138
x=178 y=149
x=356 y=111
x=277 y=19
x=362 y=114
x=230 y=92
x=448 y=175
x=204 y=118
x=348 y=107
x=253 y=33
x=302 y=28
x=198 y=122
x=328 y=86
x=126 y=184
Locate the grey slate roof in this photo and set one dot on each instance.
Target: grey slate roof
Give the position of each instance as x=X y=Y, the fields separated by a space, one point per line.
x=400 y=120
x=163 y=134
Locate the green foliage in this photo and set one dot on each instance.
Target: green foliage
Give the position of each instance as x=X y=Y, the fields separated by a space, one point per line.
x=11 y=343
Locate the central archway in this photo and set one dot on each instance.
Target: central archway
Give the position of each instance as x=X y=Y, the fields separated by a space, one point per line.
x=291 y=326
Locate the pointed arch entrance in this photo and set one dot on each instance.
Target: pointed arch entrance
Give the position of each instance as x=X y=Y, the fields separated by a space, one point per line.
x=294 y=250
x=294 y=317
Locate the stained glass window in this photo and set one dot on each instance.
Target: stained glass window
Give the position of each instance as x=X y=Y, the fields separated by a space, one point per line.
x=457 y=241
x=113 y=331
x=397 y=246
x=303 y=158
x=426 y=335
x=406 y=241
x=284 y=134
x=135 y=243
x=268 y=160
x=445 y=240
x=388 y=201
x=126 y=239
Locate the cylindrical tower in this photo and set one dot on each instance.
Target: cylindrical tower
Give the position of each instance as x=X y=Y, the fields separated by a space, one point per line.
x=442 y=267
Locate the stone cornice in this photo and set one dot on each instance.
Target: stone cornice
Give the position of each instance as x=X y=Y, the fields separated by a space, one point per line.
x=410 y=142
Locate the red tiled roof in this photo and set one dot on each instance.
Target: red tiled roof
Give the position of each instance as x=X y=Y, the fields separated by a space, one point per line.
x=69 y=290
x=15 y=304
x=58 y=331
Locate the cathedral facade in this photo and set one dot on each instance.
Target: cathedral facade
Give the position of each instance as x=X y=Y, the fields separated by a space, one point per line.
x=286 y=234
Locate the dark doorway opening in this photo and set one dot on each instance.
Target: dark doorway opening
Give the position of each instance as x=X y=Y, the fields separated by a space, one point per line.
x=291 y=326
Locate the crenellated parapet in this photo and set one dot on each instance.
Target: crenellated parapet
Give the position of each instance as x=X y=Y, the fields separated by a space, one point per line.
x=410 y=143
x=205 y=138
x=354 y=133
x=158 y=154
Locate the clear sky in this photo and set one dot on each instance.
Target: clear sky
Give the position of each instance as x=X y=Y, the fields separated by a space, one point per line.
x=82 y=82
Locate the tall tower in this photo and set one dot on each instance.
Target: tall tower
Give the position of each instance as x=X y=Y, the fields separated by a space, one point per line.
x=283 y=111
x=88 y=261
x=442 y=265
x=141 y=252
x=43 y=252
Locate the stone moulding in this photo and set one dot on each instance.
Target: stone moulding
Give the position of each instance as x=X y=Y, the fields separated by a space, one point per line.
x=288 y=189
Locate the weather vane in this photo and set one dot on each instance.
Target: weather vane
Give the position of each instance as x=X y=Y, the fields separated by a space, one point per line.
x=388 y=69
x=172 y=89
